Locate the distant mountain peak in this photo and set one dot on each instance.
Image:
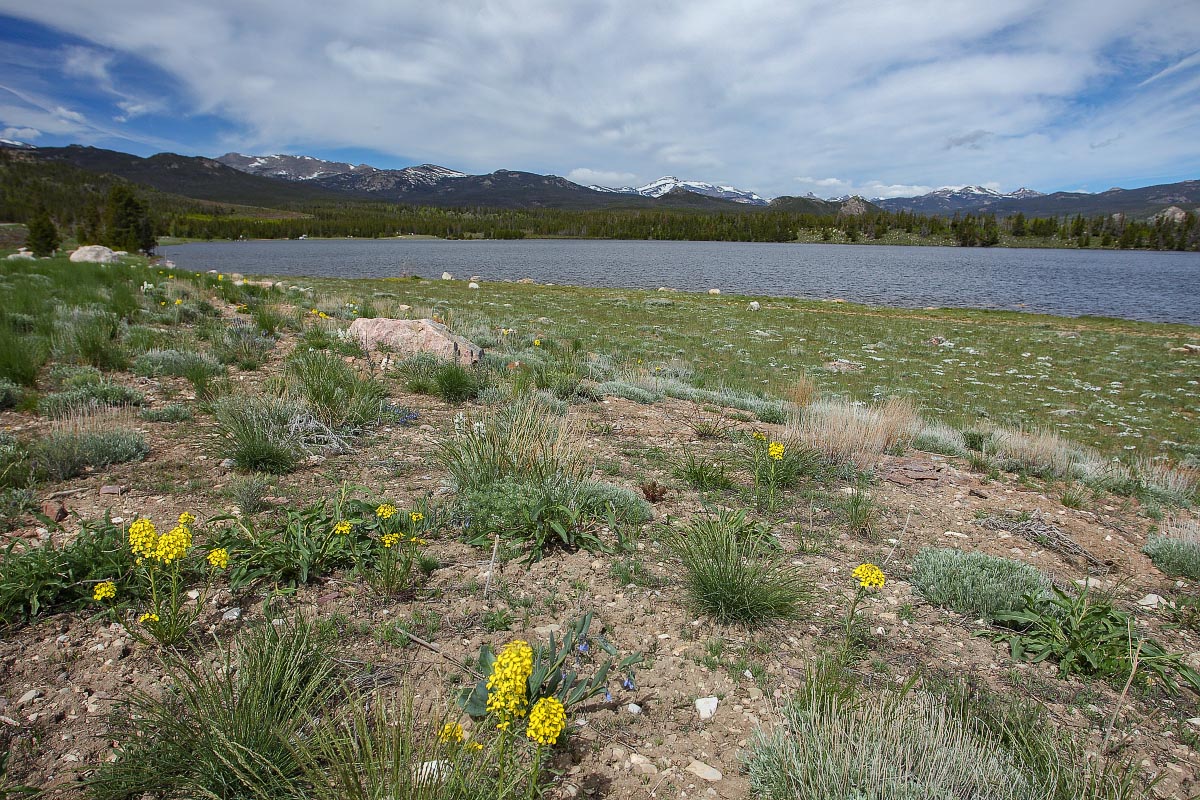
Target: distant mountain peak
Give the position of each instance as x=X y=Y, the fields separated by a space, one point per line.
x=669 y=183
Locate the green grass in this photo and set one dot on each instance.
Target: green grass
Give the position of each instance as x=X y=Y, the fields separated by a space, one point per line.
x=735 y=572
x=1175 y=549
x=1113 y=382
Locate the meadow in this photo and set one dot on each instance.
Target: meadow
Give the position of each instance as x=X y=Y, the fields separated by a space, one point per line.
x=654 y=542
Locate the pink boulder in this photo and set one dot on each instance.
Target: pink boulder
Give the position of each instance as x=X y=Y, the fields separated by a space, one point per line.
x=410 y=336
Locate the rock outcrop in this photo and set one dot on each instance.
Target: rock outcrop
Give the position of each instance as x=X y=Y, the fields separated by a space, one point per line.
x=94 y=253
x=410 y=336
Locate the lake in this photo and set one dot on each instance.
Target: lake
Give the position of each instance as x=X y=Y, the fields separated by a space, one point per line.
x=1151 y=286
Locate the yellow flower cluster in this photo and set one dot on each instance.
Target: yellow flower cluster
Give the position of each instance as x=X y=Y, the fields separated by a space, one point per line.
x=186 y=519
x=342 y=528
x=147 y=617
x=759 y=435
x=451 y=733
x=537 y=342
x=386 y=511
x=546 y=721
x=869 y=576
x=173 y=544
x=389 y=540
x=105 y=590
x=508 y=684
x=416 y=516
x=219 y=558
x=775 y=451
x=142 y=538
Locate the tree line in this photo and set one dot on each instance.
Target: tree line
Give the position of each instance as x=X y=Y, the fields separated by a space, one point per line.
x=103 y=209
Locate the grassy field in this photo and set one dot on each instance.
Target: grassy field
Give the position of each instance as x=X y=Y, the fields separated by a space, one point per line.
x=1107 y=383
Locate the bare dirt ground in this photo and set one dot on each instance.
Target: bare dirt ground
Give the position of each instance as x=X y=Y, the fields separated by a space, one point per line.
x=63 y=677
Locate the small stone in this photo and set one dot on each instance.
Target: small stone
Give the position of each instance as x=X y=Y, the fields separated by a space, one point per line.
x=29 y=697
x=1150 y=601
x=714 y=292
x=432 y=772
x=642 y=765
x=472 y=285
x=55 y=510
x=545 y=630
x=232 y=615
x=112 y=489
x=446 y=276
x=706 y=707
x=633 y=708
x=754 y=306
x=704 y=771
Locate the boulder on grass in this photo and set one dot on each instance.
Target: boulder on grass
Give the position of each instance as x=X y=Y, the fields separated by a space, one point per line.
x=411 y=336
x=95 y=254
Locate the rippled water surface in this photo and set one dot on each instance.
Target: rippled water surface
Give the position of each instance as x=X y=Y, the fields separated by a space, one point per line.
x=1160 y=287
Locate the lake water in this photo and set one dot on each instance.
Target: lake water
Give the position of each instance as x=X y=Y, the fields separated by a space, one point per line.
x=1153 y=286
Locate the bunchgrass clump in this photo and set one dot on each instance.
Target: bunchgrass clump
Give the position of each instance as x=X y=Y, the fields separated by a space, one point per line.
x=261 y=434
x=938 y=437
x=21 y=356
x=974 y=584
x=847 y=433
x=229 y=729
x=734 y=571
x=418 y=372
x=701 y=472
x=11 y=395
x=455 y=383
x=335 y=394
x=249 y=492
x=1175 y=549
x=628 y=391
x=242 y=346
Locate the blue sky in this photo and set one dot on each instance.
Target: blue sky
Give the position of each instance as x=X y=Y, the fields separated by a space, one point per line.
x=879 y=99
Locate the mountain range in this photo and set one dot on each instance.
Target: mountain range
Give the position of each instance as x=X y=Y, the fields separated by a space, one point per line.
x=275 y=180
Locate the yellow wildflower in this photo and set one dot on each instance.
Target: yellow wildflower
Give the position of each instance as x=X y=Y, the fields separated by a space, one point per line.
x=537 y=342
x=178 y=301
x=451 y=733
x=759 y=435
x=508 y=684
x=105 y=590
x=416 y=516
x=323 y=315
x=389 y=539
x=386 y=511
x=775 y=451
x=142 y=538
x=186 y=518
x=342 y=528
x=173 y=544
x=147 y=617
x=418 y=540
x=219 y=558
x=869 y=576
x=546 y=721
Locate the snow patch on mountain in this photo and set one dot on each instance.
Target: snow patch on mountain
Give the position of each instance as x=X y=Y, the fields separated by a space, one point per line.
x=669 y=183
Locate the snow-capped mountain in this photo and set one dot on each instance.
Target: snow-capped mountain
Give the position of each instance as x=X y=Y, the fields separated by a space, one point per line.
x=15 y=145
x=949 y=199
x=340 y=175
x=290 y=168
x=661 y=186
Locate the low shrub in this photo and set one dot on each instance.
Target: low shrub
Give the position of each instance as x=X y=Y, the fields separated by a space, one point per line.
x=176 y=363
x=16 y=469
x=938 y=437
x=734 y=571
x=628 y=391
x=65 y=454
x=92 y=337
x=15 y=504
x=88 y=397
x=11 y=394
x=974 y=584
x=1175 y=549
x=249 y=492
x=174 y=412
x=839 y=740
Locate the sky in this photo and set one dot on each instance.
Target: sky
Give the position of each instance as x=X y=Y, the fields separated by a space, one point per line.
x=881 y=99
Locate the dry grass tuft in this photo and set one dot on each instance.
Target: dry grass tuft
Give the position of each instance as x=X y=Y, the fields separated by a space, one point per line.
x=844 y=432
x=803 y=391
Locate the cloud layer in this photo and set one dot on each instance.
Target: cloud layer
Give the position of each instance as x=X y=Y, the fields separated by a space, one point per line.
x=781 y=98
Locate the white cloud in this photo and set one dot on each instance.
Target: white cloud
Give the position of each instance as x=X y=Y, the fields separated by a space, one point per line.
x=20 y=134
x=600 y=177
x=889 y=97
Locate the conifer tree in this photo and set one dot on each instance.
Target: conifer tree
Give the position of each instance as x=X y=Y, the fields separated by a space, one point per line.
x=43 y=235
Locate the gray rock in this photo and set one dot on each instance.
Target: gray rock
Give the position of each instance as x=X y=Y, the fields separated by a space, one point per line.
x=29 y=697
x=706 y=707
x=409 y=336
x=704 y=771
